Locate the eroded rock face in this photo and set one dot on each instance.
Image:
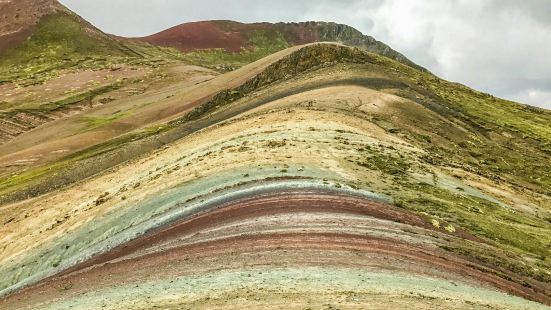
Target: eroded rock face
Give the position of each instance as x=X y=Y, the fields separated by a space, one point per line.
x=18 y=17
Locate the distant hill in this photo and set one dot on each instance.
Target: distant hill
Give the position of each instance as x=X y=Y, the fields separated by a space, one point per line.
x=20 y=18
x=235 y=37
x=36 y=36
x=316 y=165
x=324 y=175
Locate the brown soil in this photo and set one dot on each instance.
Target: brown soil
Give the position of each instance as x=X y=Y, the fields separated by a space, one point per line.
x=18 y=17
x=21 y=109
x=197 y=36
x=121 y=265
x=229 y=35
x=160 y=103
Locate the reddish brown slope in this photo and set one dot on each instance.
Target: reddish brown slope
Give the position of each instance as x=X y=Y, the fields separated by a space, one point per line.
x=229 y=35
x=18 y=18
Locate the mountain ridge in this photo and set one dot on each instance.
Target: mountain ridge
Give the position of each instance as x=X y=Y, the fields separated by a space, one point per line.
x=336 y=125
x=234 y=37
x=19 y=17
x=47 y=37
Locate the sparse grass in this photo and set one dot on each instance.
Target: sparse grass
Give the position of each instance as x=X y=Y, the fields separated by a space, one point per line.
x=63 y=103
x=63 y=41
x=508 y=139
x=387 y=163
x=503 y=139
x=39 y=175
x=65 y=286
x=94 y=122
x=262 y=43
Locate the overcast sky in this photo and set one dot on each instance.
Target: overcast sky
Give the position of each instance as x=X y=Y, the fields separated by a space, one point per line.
x=498 y=46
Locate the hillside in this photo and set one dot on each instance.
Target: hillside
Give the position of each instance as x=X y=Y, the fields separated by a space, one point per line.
x=19 y=19
x=231 y=44
x=323 y=175
x=45 y=31
x=430 y=178
x=54 y=64
x=38 y=37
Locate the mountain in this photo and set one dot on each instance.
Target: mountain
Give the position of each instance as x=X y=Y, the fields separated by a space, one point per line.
x=320 y=176
x=19 y=19
x=46 y=29
x=37 y=36
x=264 y=38
x=53 y=64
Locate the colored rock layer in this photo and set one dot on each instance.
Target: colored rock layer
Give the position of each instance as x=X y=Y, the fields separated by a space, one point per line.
x=322 y=176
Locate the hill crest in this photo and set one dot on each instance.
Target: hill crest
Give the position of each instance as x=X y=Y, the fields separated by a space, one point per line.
x=235 y=37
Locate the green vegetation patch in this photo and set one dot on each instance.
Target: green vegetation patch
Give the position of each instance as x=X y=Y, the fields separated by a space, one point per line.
x=497 y=139
x=261 y=43
x=523 y=233
x=391 y=164
x=31 y=179
x=59 y=38
x=94 y=122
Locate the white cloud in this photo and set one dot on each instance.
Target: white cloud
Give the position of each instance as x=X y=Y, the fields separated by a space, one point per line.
x=500 y=52
x=498 y=46
x=535 y=97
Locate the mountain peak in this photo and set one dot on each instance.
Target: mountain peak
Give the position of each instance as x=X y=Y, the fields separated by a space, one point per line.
x=19 y=17
x=263 y=164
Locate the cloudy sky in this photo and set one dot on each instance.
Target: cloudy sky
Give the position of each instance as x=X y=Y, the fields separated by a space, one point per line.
x=499 y=46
